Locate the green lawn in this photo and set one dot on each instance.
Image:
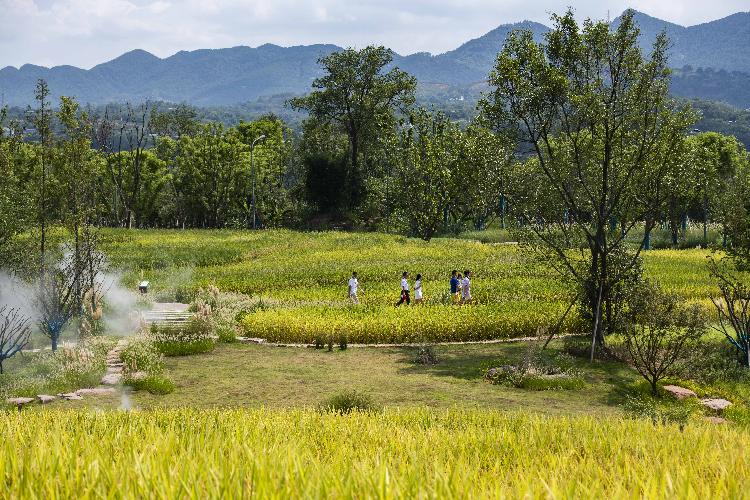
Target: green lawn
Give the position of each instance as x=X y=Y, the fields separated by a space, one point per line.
x=276 y=377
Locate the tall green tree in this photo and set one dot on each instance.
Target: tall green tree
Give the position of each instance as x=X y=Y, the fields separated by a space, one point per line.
x=359 y=95
x=601 y=126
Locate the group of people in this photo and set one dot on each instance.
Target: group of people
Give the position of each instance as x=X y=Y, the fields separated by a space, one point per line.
x=460 y=288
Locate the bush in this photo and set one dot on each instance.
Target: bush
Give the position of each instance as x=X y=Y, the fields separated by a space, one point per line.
x=225 y=310
x=193 y=338
x=660 y=410
x=141 y=355
x=538 y=371
x=155 y=384
x=349 y=401
x=426 y=355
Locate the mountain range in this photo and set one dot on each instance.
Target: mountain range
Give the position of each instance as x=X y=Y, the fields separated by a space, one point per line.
x=213 y=77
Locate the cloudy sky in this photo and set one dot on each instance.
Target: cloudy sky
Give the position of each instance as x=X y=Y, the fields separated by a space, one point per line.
x=87 y=32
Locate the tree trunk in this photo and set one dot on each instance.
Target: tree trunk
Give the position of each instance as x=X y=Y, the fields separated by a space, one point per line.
x=54 y=342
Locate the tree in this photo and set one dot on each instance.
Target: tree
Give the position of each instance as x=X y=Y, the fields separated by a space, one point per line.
x=661 y=332
x=14 y=333
x=56 y=299
x=14 y=205
x=602 y=129
x=42 y=120
x=358 y=95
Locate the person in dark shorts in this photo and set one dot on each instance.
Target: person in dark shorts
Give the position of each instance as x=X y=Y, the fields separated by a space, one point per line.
x=404 y=290
x=455 y=283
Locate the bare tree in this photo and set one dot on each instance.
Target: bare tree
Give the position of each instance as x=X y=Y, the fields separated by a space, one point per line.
x=733 y=307
x=57 y=298
x=15 y=333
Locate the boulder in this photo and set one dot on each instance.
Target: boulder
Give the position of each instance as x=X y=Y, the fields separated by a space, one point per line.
x=680 y=392
x=96 y=391
x=716 y=404
x=44 y=398
x=19 y=401
x=112 y=379
x=70 y=396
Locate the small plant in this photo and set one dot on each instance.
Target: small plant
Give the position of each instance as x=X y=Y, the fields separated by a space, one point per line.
x=659 y=410
x=538 y=371
x=193 y=338
x=154 y=384
x=349 y=401
x=426 y=355
x=343 y=343
x=329 y=343
x=319 y=344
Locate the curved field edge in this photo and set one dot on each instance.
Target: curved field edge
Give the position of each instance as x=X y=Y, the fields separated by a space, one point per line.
x=187 y=453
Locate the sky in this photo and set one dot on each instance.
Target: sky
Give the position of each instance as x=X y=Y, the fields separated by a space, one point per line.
x=84 y=33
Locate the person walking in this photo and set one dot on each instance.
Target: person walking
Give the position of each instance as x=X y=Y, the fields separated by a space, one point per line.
x=353 y=285
x=418 y=290
x=455 y=283
x=404 y=290
x=466 y=288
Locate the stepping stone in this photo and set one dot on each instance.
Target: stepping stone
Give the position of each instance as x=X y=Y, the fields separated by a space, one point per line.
x=114 y=370
x=70 y=396
x=111 y=379
x=717 y=420
x=96 y=391
x=44 y=398
x=680 y=392
x=19 y=401
x=251 y=340
x=716 y=404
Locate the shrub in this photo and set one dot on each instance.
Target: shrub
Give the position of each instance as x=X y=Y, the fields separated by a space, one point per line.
x=660 y=410
x=155 y=384
x=349 y=401
x=538 y=370
x=426 y=355
x=195 y=337
x=343 y=343
x=141 y=355
x=225 y=310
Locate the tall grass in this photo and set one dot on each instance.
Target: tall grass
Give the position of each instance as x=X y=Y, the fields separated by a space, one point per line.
x=414 y=454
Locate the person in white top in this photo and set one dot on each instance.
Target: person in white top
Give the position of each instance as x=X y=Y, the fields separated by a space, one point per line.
x=466 y=288
x=418 y=290
x=353 y=285
x=404 y=290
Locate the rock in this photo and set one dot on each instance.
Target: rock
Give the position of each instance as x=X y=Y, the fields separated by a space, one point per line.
x=96 y=391
x=251 y=340
x=70 y=396
x=114 y=370
x=717 y=420
x=716 y=404
x=680 y=392
x=44 y=398
x=19 y=401
x=111 y=379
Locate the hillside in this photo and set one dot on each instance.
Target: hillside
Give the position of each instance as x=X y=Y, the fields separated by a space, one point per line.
x=212 y=77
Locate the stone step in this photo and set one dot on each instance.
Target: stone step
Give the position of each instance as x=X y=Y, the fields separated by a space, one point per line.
x=112 y=379
x=70 y=396
x=96 y=391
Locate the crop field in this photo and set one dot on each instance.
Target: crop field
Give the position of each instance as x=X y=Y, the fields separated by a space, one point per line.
x=417 y=453
x=301 y=279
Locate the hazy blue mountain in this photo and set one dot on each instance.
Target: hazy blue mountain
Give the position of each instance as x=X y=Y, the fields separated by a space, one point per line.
x=242 y=74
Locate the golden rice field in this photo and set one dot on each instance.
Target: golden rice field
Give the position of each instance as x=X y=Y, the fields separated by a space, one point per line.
x=302 y=278
x=416 y=453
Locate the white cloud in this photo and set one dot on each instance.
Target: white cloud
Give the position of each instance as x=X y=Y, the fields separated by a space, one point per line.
x=88 y=32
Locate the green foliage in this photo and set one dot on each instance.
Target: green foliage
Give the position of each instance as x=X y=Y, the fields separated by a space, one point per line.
x=661 y=333
x=660 y=410
x=195 y=337
x=349 y=401
x=154 y=384
x=539 y=371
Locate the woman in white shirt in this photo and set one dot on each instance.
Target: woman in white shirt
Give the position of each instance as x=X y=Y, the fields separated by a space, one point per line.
x=466 y=288
x=418 y=290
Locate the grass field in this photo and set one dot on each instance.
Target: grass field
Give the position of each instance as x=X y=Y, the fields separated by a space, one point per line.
x=416 y=453
x=262 y=376
x=302 y=279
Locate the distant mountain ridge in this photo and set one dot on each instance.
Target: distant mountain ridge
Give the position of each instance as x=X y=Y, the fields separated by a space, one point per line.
x=210 y=77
